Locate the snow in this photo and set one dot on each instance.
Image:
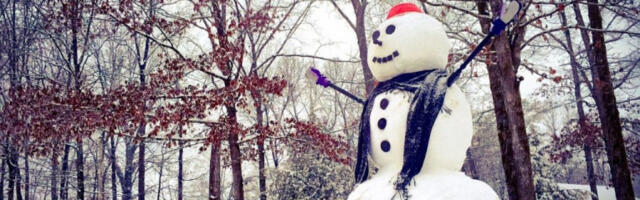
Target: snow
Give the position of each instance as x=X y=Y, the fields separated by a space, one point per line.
x=604 y=192
x=434 y=186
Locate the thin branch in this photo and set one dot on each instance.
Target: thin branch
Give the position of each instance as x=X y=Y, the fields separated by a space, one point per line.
x=314 y=57
x=458 y=9
x=626 y=75
x=633 y=34
x=544 y=33
x=169 y=46
x=351 y=24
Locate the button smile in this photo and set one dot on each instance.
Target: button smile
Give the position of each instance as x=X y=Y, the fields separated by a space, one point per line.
x=385 y=59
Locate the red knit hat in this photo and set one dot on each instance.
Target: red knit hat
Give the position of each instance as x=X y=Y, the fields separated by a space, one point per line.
x=403 y=8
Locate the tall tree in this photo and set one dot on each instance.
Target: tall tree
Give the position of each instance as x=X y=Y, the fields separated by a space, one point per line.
x=607 y=108
x=502 y=69
x=579 y=104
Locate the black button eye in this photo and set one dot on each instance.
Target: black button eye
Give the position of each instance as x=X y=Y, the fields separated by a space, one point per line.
x=390 y=29
x=376 y=35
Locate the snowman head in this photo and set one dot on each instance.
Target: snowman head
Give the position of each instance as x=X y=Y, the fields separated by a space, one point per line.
x=408 y=41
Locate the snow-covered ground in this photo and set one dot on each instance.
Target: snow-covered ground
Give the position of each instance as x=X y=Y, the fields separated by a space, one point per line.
x=604 y=192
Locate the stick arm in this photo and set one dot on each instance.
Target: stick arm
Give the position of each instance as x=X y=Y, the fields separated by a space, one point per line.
x=507 y=14
x=315 y=75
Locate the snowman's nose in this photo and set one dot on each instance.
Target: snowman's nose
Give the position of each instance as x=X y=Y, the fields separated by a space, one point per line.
x=376 y=35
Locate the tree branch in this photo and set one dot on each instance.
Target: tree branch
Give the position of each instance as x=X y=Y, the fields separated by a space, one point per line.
x=313 y=57
x=333 y=2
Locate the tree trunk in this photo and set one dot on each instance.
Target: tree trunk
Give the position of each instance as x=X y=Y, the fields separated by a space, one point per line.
x=141 y=168
x=80 y=170
x=583 y=33
x=54 y=177
x=26 y=173
x=127 y=180
x=517 y=139
x=591 y=175
x=16 y=160
x=512 y=134
x=112 y=158
x=469 y=166
x=261 y=167
x=260 y=143
x=219 y=14
x=12 y=175
x=214 y=172
x=142 y=129
x=180 y=166
x=64 y=194
x=579 y=105
x=274 y=153
x=13 y=73
x=360 y=8
x=502 y=124
x=160 y=176
x=142 y=63
x=26 y=164
x=75 y=25
x=99 y=175
x=607 y=108
x=236 y=159
x=2 y=172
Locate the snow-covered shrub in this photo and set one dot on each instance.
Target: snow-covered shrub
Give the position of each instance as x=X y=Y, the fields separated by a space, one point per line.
x=310 y=175
x=544 y=173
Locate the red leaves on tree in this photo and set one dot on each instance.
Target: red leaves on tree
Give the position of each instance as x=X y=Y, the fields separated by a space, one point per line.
x=48 y=116
x=472 y=46
x=574 y=134
x=309 y=135
x=561 y=7
x=51 y=115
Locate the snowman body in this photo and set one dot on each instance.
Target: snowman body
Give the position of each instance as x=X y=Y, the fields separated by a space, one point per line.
x=450 y=136
x=440 y=177
x=405 y=52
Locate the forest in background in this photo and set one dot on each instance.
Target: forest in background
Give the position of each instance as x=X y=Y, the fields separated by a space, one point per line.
x=206 y=99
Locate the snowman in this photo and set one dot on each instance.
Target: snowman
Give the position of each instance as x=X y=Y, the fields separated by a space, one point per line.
x=416 y=125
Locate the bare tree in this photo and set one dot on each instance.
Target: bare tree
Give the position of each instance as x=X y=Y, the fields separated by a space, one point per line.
x=579 y=103
x=507 y=103
x=607 y=107
x=359 y=8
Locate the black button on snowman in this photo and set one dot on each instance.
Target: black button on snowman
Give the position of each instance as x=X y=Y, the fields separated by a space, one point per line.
x=417 y=149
